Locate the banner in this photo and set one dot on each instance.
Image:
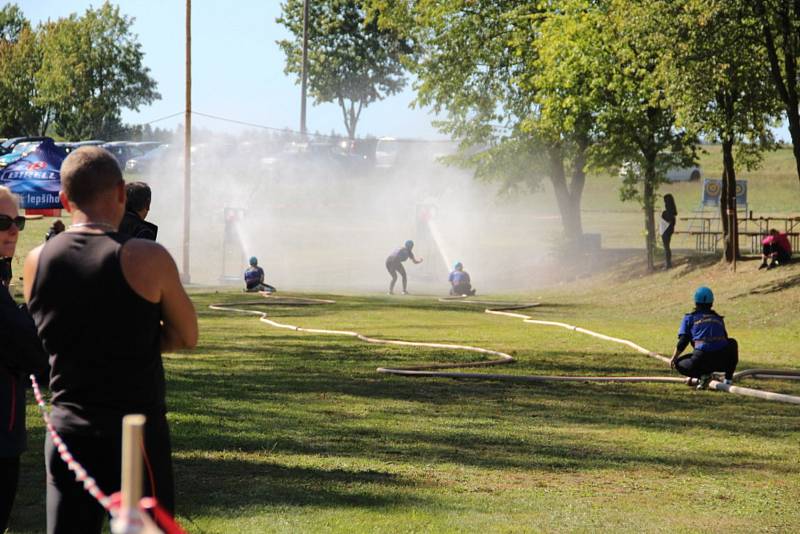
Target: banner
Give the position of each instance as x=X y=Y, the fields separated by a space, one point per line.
x=36 y=178
x=712 y=189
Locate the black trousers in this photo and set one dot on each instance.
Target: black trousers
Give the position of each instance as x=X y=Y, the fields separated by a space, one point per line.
x=781 y=255
x=70 y=508
x=9 y=478
x=700 y=362
x=461 y=289
x=666 y=238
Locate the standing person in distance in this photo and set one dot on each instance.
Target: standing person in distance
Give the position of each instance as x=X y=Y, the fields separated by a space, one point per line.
x=137 y=206
x=394 y=264
x=21 y=354
x=667 y=228
x=106 y=306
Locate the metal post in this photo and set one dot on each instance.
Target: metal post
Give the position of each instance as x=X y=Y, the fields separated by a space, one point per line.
x=187 y=147
x=304 y=70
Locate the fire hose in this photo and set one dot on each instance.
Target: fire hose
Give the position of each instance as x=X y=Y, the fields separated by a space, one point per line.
x=436 y=370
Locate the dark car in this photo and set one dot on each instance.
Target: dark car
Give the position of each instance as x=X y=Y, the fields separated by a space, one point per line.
x=125 y=150
x=147 y=162
x=9 y=144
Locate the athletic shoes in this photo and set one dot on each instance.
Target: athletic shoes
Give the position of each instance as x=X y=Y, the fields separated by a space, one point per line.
x=703 y=381
x=762 y=266
x=728 y=382
x=405 y=292
x=772 y=265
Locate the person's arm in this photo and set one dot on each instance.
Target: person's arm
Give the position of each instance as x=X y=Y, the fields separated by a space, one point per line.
x=152 y=274
x=684 y=338
x=412 y=258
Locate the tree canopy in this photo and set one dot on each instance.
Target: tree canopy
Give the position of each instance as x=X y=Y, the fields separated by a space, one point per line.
x=352 y=61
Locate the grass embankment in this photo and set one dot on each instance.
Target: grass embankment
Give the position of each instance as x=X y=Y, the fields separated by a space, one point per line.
x=279 y=431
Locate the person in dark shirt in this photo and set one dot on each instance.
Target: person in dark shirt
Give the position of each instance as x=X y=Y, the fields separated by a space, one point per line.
x=776 y=249
x=21 y=354
x=137 y=206
x=713 y=351
x=394 y=264
x=254 y=278
x=56 y=228
x=667 y=227
x=105 y=331
x=460 y=283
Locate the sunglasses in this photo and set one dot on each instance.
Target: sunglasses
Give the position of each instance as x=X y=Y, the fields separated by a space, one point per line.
x=6 y=222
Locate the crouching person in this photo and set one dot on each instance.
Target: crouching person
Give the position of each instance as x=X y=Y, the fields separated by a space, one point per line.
x=713 y=351
x=460 y=283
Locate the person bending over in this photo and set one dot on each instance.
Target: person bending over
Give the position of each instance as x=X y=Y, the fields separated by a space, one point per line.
x=713 y=350
x=776 y=250
x=394 y=264
x=106 y=306
x=56 y=228
x=460 y=283
x=254 y=278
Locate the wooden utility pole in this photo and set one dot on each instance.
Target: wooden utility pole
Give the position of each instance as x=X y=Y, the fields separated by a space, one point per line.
x=187 y=147
x=304 y=69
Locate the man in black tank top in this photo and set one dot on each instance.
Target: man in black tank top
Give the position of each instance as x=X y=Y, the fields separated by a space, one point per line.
x=105 y=306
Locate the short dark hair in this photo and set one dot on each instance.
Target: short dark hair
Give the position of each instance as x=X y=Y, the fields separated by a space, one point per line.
x=139 y=196
x=88 y=172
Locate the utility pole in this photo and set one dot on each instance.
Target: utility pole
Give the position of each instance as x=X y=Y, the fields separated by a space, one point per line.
x=187 y=147
x=304 y=68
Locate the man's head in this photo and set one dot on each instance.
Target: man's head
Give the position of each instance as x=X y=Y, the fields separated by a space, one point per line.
x=409 y=244
x=774 y=231
x=253 y=261
x=458 y=266
x=138 y=195
x=92 y=183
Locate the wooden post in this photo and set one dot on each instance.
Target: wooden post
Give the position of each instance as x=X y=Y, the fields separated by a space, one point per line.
x=187 y=147
x=130 y=520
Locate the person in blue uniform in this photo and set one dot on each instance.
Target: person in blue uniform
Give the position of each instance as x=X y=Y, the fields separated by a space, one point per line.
x=394 y=264
x=254 y=278
x=713 y=351
x=460 y=283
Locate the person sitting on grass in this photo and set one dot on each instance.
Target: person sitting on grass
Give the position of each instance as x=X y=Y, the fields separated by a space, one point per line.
x=56 y=228
x=459 y=281
x=713 y=351
x=254 y=278
x=776 y=249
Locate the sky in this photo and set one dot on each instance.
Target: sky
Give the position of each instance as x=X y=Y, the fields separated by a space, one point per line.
x=237 y=68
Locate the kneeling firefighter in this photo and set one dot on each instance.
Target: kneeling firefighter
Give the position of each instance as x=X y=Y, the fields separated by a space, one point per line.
x=713 y=351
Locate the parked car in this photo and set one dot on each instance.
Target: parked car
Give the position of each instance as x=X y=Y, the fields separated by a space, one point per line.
x=125 y=150
x=147 y=162
x=9 y=144
x=19 y=151
x=673 y=174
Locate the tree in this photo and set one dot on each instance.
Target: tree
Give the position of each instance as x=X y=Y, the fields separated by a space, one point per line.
x=351 y=59
x=92 y=67
x=635 y=122
x=19 y=60
x=720 y=86
x=479 y=63
x=780 y=29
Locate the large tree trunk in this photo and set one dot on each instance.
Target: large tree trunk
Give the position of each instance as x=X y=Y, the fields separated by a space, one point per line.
x=649 y=202
x=568 y=198
x=727 y=203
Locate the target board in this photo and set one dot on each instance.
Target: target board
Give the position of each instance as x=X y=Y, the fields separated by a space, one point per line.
x=712 y=191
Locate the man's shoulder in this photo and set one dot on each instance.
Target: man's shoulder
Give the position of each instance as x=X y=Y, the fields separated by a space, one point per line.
x=145 y=251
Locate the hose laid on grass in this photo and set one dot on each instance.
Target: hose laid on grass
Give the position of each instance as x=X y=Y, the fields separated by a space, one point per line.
x=434 y=370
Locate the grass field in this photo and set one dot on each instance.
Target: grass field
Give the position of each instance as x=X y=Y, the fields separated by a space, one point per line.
x=276 y=431
x=279 y=431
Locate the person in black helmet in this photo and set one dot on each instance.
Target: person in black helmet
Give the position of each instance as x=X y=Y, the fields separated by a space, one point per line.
x=713 y=351
x=394 y=264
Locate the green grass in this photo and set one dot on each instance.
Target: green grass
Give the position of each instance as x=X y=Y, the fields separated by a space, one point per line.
x=275 y=431
x=279 y=431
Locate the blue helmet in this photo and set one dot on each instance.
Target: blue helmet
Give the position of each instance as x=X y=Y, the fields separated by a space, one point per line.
x=703 y=295
x=457 y=266
x=409 y=244
x=253 y=260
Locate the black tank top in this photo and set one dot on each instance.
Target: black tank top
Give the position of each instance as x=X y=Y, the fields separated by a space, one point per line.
x=103 y=338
